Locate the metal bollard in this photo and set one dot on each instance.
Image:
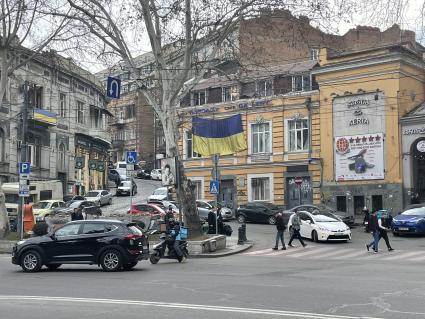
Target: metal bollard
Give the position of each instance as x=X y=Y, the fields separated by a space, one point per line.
x=240 y=235
x=244 y=232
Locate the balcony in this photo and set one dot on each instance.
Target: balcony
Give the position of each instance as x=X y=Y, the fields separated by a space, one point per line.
x=118 y=143
x=117 y=122
x=100 y=134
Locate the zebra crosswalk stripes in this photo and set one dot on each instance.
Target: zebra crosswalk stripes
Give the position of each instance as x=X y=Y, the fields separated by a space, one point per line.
x=336 y=253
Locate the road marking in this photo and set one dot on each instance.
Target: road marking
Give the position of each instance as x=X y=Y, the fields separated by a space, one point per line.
x=272 y=312
x=257 y=252
x=395 y=256
x=422 y=258
x=356 y=253
x=310 y=252
x=288 y=251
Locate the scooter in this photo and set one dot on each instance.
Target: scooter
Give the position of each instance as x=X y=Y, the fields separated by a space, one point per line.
x=160 y=249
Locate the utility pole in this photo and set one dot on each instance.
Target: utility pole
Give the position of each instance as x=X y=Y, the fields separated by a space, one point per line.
x=216 y=158
x=20 y=212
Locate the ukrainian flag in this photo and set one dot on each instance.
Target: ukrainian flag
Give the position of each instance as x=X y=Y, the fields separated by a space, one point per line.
x=222 y=137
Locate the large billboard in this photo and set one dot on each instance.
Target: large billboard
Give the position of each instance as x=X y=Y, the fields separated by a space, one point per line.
x=169 y=171
x=359 y=157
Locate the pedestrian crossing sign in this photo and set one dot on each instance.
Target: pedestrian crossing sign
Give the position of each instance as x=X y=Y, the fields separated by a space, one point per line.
x=214 y=187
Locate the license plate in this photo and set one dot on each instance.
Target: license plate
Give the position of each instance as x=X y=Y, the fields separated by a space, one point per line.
x=403 y=228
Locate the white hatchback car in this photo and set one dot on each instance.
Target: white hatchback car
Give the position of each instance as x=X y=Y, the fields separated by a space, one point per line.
x=322 y=226
x=156 y=174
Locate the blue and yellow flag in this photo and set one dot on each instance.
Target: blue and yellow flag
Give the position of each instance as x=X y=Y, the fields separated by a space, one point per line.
x=222 y=137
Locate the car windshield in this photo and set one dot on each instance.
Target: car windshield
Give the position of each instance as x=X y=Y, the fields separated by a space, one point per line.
x=75 y=204
x=324 y=208
x=41 y=205
x=125 y=184
x=323 y=217
x=160 y=191
x=420 y=211
x=92 y=194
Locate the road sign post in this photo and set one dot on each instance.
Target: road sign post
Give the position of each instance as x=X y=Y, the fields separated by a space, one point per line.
x=131 y=160
x=216 y=158
x=24 y=191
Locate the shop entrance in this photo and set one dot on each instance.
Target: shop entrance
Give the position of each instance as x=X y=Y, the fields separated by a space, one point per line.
x=418 y=158
x=358 y=204
x=298 y=194
x=227 y=193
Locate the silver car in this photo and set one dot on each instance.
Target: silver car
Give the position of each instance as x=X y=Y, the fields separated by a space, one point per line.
x=100 y=197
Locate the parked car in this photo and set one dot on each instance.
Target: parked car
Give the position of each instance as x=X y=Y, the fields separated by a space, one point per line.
x=68 y=197
x=45 y=208
x=156 y=174
x=111 y=244
x=100 y=197
x=260 y=212
x=411 y=221
x=143 y=174
x=225 y=211
x=147 y=209
x=87 y=206
x=159 y=194
x=321 y=226
x=346 y=218
x=125 y=187
x=116 y=177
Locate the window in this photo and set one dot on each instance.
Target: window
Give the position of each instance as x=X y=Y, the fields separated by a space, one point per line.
x=341 y=203
x=260 y=137
x=61 y=157
x=2 y=145
x=314 y=54
x=301 y=83
x=265 y=88
x=80 y=112
x=298 y=135
x=35 y=96
x=199 y=98
x=94 y=228
x=198 y=191
x=34 y=153
x=62 y=105
x=68 y=230
x=189 y=146
x=130 y=111
x=260 y=188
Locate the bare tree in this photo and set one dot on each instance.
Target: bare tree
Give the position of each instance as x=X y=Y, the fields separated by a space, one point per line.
x=178 y=30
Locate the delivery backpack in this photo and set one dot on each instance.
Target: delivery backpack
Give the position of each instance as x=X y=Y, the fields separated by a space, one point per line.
x=227 y=230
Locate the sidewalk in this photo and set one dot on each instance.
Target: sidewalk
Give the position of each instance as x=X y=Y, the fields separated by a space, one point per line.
x=6 y=246
x=232 y=248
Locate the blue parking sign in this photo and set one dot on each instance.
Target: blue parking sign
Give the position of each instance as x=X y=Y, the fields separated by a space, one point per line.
x=24 y=168
x=131 y=157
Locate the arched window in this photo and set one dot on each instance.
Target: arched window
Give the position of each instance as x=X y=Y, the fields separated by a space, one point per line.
x=61 y=157
x=2 y=145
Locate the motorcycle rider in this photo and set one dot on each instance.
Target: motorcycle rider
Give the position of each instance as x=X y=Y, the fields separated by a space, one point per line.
x=175 y=240
x=169 y=218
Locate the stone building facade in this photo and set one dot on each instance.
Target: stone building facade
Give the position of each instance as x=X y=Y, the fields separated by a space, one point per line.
x=64 y=101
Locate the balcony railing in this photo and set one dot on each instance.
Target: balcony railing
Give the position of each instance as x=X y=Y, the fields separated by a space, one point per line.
x=100 y=134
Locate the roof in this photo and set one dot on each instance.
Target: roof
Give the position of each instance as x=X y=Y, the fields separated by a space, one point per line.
x=248 y=75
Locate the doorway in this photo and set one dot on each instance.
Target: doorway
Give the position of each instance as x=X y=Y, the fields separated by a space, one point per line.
x=376 y=202
x=62 y=178
x=227 y=193
x=418 y=158
x=358 y=204
x=298 y=195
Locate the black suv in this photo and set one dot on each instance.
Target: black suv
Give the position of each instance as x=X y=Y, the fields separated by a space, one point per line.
x=111 y=244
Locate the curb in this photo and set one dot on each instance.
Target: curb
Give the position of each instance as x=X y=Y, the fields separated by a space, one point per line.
x=242 y=248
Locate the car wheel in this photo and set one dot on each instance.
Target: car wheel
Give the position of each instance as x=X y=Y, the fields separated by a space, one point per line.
x=53 y=266
x=272 y=220
x=111 y=260
x=314 y=236
x=129 y=266
x=110 y=201
x=31 y=261
x=154 y=258
x=241 y=219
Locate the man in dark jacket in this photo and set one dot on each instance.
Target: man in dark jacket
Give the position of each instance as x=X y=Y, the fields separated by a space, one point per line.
x=385 y=226
x=374 y=228
x=169 y=218
x=211 y=222
x=280 y=226
x=296 y=227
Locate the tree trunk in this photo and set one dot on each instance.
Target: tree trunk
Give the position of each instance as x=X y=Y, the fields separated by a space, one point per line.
x=185 y=190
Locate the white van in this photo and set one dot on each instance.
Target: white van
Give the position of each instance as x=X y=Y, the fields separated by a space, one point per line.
x=121 y=168
x=39 y=190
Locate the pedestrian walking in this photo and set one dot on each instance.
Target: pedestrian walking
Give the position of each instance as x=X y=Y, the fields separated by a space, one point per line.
x=374 y=228
x=296 y=226
x=280 y=227
x=384 y=227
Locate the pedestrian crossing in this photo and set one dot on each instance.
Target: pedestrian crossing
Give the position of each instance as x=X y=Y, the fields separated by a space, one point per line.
x=329 y=252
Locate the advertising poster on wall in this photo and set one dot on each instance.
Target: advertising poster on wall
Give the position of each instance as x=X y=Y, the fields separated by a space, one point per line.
x=359 y=157
x=168 y=168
